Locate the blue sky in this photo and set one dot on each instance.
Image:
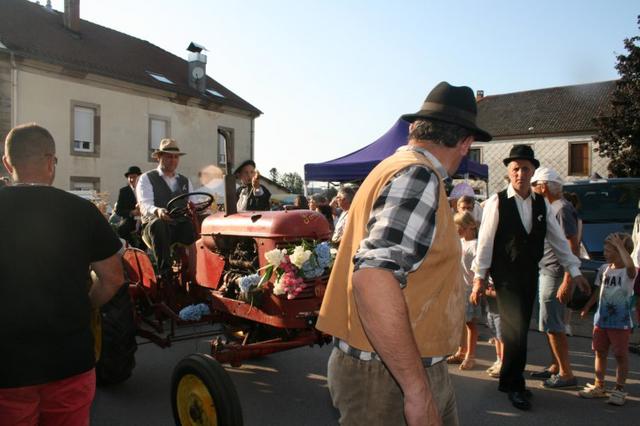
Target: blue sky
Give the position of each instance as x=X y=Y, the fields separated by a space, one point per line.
x=332 y=76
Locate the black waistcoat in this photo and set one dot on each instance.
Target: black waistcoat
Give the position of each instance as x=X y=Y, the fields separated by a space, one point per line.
x=162 y=194
x=516 y=253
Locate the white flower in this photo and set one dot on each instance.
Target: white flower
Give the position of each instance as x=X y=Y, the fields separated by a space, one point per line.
x=278 y=288
x=275 y=257
x=300 y=256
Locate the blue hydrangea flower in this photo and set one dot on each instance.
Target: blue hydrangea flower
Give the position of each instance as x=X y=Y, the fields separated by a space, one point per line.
x=311 y=268
x=249 y=282
x=194 y=312
x=323 y=254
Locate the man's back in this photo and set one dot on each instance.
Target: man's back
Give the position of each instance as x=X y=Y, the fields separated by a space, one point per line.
x=48 y=240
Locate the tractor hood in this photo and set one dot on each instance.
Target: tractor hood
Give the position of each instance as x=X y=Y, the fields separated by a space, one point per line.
x=286 y=225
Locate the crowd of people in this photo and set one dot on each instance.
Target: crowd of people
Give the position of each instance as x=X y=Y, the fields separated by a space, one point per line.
x=393 y=303
x=416 y=271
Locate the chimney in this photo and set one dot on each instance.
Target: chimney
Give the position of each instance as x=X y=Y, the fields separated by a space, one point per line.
x=479 y=95
x=197 y=67
x=72 y=15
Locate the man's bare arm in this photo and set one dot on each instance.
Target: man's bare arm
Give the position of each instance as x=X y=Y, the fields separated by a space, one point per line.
x=110 y=277
x=384 y=316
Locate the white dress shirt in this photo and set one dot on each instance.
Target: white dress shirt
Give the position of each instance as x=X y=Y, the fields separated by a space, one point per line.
x=339 y=226
x=144 y=191
x=243 y=198
x=489 y=226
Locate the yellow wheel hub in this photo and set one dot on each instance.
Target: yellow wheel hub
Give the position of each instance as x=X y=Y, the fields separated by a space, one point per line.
x=195 y=403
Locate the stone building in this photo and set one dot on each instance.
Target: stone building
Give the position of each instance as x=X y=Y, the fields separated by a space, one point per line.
x=108 y=98
x=557 y=122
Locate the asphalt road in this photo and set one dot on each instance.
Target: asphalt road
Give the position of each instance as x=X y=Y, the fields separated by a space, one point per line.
x=289 y=388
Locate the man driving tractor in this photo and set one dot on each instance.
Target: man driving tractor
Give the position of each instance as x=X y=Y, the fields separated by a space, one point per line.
x=154 y=191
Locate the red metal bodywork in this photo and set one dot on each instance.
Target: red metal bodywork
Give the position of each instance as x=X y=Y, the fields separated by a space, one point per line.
x=291 y=321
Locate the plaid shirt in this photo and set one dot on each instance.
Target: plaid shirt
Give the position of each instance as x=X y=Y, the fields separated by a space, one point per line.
x=401 y=228
x=402 y=224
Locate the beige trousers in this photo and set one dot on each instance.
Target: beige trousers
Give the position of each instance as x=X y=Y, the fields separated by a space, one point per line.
x=365 y=393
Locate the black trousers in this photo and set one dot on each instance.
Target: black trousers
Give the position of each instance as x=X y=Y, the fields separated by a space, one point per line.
x=126 y=227
x=515 y=296
x=162 y=234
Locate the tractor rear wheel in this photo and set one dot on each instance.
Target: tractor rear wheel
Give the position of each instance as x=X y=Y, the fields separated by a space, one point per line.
x=117 y=354
x=202 y=393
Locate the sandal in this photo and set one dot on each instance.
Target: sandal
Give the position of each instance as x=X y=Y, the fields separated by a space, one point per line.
x=456 y=359
x=590 y=392
x=468 y=364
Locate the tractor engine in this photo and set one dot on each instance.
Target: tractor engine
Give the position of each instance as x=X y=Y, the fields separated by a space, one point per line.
x=234 y=246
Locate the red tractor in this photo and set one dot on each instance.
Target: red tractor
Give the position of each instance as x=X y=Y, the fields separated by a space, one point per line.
x=232 y=246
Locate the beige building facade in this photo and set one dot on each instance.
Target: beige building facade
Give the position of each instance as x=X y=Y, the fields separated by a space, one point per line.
x=124 y=128
x=108 y=109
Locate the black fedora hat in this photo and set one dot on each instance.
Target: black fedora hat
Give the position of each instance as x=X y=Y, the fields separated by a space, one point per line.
x=244 y=163
x=521 y=152
x=133 y=170
x=451 y=104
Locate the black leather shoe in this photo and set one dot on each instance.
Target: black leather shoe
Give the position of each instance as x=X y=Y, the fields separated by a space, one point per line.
x=519 y=400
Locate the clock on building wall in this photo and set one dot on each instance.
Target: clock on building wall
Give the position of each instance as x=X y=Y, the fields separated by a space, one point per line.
x=197 y=72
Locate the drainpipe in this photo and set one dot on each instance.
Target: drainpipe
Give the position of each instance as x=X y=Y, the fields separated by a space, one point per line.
x=14 y=90
x=252 y=133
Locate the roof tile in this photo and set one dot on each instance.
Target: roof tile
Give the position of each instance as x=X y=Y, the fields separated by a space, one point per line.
x=566 y=109
x=31 y=31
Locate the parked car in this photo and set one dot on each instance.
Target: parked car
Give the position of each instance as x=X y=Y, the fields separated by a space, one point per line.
x=606 y=206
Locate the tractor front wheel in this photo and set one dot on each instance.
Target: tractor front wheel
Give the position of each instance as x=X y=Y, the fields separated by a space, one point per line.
x=117 y=354
x=202 y=393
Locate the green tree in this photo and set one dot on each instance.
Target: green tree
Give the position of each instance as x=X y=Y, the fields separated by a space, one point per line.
x=293 y=182
x=274 y=175
x=618 y=135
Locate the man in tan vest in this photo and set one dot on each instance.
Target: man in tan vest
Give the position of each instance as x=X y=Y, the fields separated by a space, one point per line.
x=394 y=302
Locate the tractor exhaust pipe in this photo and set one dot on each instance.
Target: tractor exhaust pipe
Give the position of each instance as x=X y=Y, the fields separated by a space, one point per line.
x=230 y=198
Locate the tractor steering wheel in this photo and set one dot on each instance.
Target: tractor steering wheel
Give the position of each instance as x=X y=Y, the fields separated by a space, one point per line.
x=198 y=206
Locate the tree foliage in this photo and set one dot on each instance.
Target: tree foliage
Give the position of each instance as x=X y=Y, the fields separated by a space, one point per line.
x=274 y=175
x=293 y=182
x=618 y=136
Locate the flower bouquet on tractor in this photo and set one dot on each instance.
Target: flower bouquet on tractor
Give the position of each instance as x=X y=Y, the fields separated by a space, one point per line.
x=259 y=281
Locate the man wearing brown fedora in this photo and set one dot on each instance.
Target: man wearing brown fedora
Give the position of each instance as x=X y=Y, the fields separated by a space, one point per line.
x=127 y=206
x=394 y=301
x=154 y=191
x=511 y=239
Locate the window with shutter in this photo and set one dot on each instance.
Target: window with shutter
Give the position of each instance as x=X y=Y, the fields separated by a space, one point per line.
x=85 y=129
x=579 y=159
x=159 y=128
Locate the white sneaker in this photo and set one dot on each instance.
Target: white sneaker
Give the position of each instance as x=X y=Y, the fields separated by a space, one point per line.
x=494 y=370
x=492 y=366
x=617 y=397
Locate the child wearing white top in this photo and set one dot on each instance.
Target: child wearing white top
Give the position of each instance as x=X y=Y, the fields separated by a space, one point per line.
x=612 y=322
x=468 y=231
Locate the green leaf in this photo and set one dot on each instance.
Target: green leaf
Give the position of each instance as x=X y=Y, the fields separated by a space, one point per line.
x=266 y=276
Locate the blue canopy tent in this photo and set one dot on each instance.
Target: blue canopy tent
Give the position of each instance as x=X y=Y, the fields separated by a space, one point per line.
x=357 y=165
